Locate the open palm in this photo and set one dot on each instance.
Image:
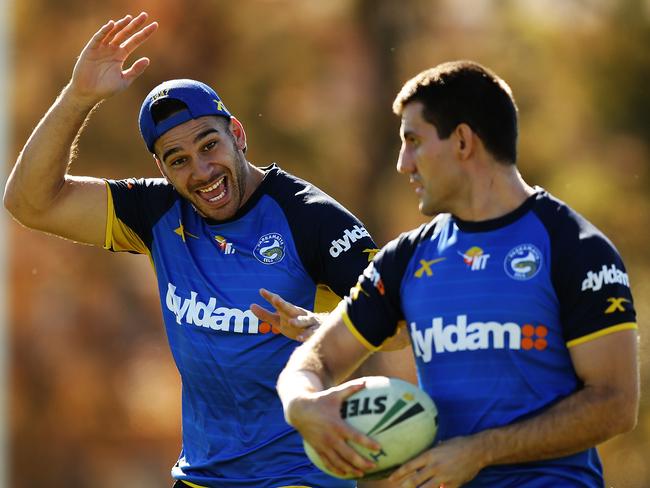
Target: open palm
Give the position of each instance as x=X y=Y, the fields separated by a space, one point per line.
x=99 y=71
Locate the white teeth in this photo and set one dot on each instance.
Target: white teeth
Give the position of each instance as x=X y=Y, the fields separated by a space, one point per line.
x=218 y=197
x=213 y=187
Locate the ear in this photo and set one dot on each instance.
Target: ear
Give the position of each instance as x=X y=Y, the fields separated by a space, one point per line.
x=465 y=141
x=238 y=132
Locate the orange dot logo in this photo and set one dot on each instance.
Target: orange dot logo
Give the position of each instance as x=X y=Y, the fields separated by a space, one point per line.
x=534 y=337
x=265 y=328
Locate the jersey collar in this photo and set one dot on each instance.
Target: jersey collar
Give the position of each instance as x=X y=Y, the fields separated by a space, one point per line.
x=502 y=221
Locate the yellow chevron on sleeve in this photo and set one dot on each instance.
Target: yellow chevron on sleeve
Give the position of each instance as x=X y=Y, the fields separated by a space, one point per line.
x=355 y=332
x=602 y=332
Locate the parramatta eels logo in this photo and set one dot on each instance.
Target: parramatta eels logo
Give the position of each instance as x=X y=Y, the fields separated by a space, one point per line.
x=269 y=249
x=523 y=262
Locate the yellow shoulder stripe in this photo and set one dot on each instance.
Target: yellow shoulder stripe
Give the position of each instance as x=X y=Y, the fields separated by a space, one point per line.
x=602 y=332
x=355 y=332
x=193 y=485
x=119 y=236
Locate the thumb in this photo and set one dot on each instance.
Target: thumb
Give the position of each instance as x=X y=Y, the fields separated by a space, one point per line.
x=349 y=388
x=136 y=69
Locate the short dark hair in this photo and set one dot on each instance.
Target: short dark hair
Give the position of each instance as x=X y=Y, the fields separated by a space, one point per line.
x=465 y=92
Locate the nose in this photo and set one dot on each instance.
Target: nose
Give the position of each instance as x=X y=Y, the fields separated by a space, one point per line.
x=405 y=163
x=202 y=168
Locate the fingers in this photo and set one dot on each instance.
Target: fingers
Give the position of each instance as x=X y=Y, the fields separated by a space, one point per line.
x=126 y=33
x=277 y=301
x=280 y=304
x=139 y=37
x=349 y=387
x=101 y=34
x=126 y=27
x=410 y=472
x=344 y=391
x=265 y=315
x=108 y=30
x=293 y=321
x=336 y=448
x=117 y=27
x=344 y=460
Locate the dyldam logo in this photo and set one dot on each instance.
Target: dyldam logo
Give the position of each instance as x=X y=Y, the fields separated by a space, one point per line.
x=193 y=311
x=473 y=336
x=349 y=237
x=605 y=276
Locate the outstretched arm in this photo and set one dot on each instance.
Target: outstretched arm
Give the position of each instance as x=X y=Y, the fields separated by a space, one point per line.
x=39 y=192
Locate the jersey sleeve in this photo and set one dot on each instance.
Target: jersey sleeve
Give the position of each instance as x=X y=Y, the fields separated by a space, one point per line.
x=344 y=248
x=333 y=245
x=134 y=206
x=591 y=282
x=373 y=307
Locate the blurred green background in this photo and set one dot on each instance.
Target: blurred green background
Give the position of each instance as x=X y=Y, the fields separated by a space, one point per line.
x=94 y=395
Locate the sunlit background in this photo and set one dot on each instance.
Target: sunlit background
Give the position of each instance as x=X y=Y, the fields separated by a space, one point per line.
x=93 y=397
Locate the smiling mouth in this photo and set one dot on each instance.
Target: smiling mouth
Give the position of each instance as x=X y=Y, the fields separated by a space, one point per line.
x=416 y=183
x=215 y=192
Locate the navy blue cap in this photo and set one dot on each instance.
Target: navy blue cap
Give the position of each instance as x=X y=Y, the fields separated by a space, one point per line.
x=199 y=98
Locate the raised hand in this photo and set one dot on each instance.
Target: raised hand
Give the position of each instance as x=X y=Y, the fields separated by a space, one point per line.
x=99 y=71
x=292 y=321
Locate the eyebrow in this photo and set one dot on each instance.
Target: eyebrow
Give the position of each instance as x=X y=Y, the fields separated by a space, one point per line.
x=199 y=136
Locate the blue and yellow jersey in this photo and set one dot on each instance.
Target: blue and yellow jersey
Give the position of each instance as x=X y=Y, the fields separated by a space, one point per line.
x=493 y=308
x=290 y=238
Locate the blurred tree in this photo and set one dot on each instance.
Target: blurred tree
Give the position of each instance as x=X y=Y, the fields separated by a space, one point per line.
x=94 y=394
x=620 y=66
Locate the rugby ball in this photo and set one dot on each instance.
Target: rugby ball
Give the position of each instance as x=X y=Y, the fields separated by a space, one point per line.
x=400 y=416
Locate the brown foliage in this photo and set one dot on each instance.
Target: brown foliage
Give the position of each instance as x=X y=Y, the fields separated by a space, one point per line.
x=94 y=394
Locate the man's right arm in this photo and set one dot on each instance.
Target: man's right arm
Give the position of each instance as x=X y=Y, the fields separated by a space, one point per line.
x=39 y=192
x=312 y=403
x=41 y=195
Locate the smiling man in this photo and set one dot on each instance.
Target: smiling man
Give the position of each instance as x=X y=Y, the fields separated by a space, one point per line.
x=216 y=228
x=186 y=126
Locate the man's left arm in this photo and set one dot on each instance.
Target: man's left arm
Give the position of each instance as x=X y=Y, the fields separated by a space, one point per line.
x=606 y=405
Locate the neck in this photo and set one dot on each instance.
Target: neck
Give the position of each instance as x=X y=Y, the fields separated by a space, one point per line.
x=492 y=190
x=253 y=178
